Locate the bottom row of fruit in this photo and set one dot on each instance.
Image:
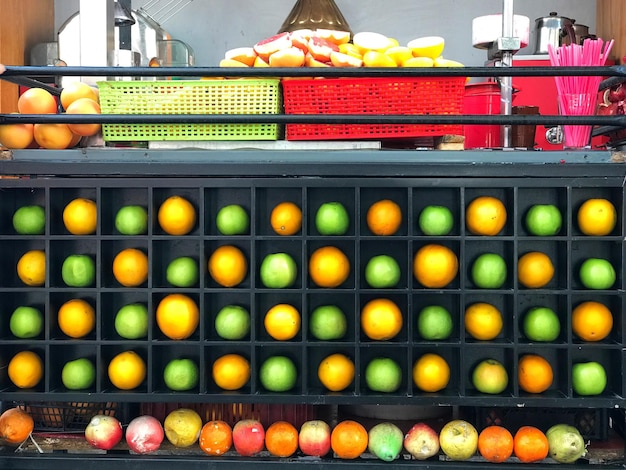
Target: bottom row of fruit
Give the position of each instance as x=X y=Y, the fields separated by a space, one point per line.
x=457 y=440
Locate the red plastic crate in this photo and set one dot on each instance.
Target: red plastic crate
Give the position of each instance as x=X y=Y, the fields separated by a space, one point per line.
x=382 y=95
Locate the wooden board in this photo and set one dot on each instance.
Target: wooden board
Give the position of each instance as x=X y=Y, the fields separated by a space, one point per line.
x=611 y=24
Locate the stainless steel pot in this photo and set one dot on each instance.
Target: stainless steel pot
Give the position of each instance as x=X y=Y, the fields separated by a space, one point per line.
x=553 y=29
x=581 y=32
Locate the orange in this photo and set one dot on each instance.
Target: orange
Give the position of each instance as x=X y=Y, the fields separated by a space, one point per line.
x=483 y=321
x=76 y=318
x=534 y=373
x=130 y=267
x=495 y=444
x=76 y=90
x=36 y=101
x=336 y=372
x=31 y=268
x=84 y=106
x=592 y=321
x=534 y=269
x=16 y=136
x=281 y=439
x=216 y=437
x=485 y=215
x=231 y=372
x=381 y=319
x=431 y=373
x=176 y=216
x=348 y=439
x=53 y=136
x=25 y=369
x=15 y=426
x=177 y=316
x=127 y=370
x=384 y=217
x=80 y=216
x=329 y=267
x=530 y=444
x=286 y=218
x=228 y=266
x=282 y=322
x=597 y=217
x=435 y=266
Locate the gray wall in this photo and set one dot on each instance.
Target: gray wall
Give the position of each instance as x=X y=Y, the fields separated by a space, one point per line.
x=213 y=26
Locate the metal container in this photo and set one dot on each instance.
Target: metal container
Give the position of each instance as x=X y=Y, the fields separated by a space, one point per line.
x=553 y=29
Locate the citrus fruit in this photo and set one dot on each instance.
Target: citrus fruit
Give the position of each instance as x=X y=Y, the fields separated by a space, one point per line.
x=431 y=373
x=588 y=378
x=228 y=266
x=231 y=371
x=78 y=374
x=131 y=220
x=332 y=218
x=131 y=321
x=31 y=268
x=534 y=269
x=336 y=372
x=485 y=215
x=232 y=220
x=278 y=271
x=428 y=46
x=76 y=318
x=130 y=267
x=286 y=218
x=534 y=373
x=25 y=369
x=76 y=90
x=80 y=216
x=281 y=439
x=435 y=266
x=53 y=136
x=596 y=217
x=384 y=217
x=489 y=271
x=378 y=59
x=434 y=323
x=543 y=220
x=216 y=438
x=381 y=319
x=399 y=54
x=329 y=267
x=490 y=376
x=26 y=322
x=182 y=272
x=592 y=321
x=30 y=220
x=382 y=271
x=181 y=374
x=176 y=216
x=348 y=439
x=495 y=444
x=177 y=316
x=84 y=106
x=36 y=101
x=127 y=370
x=597 y=273
x=278 y=374
x=182 y=427
x=15 y=426
x=435 y=220
x=17 y=136
x=327 y=323
x=232 y=322
x=383 y=374
x=541 y=324
x=530 y=444
x=483 y=321
x=371 y=41
x=282 y=322
x=419 y=62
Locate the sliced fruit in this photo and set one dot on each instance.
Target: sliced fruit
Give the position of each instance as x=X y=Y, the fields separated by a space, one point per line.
x=231 y=63
x=321 y=48
x=428 y=46
x=244 y=55
x=370 y=41
x=399 y=54
x=351 y=50
x=268 y=46
x=339 y=59
x=378 y=59
x=289 y=57
x=336 y=37
x=419 y=62
x=441 y=62
x=310 y=61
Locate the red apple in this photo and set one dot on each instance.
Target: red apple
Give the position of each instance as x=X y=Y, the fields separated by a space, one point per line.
x=144 y=434
x=422 y=441
x=314 y=438
x=248 y=437
x=103 y=432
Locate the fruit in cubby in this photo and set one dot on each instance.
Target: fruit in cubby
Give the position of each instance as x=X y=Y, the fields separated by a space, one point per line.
x=435 y=266
x=228 y=265
x=131 y=267
x=458 y=439
x=490 y=377
x=278 y=374
x=80 y=216
x=248 y=437
x=332 y=218
x=216 y=437
x=182 y=427
x=383 y=374
x=281 y=439
x=282 y=322
x=232 y=322
x=435 y=220
x=597 y=274
x=182 y=272
x=534 y=373
x=26 y=322
x=329 y=267
x=232 y=219
x=485 y=215
x=31 y=268
x=314 y=438
x=589 y=378
x=25 y=369
x=131 y=321
x=78 y=271
x=78 y=374
x=29 y=220
x=495 y=444
x=336 y=372
x=16 y=425
x=434 y=323
x=483 y=321
x=541 y=324
x=381 y=319
x=384 y=217
x=535 y=270
x=76 y=318
x=286 y=218
x=384 y=441
x=348 y=439
x=382 y=272
x=596 y=217
x=489 y=271
x=530 y=444
x=543 y=220
x=127 y=370
x=103 y=432
x=131 y=220
x=231 y=371
x=421 y=441
x=144 y=434
x=176 y=215
x=431 y=372
x=592 y=321
x=278 y=271
x=177 y=316
x=327 y=323
x=181 y=374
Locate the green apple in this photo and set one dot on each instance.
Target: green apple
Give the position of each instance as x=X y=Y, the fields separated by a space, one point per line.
x=278 y=374
x=278 y=271
x=181 y=374
x=26 y=322
x=30 y=220
x=490 y=376
x=597 y=273
x=232 y=322
x=131 y=220
x=543 y=220
x=131 y=321
x=434 y=323
x=78 y=271
x=541 y=324
x=489 y=271
x=435 y=220
x=332 y=218
x=182 y=272
x=232 y=220
x=588 y=378
x=382 y=272
x=78 y=374
x=383 y=374
x=327 y=323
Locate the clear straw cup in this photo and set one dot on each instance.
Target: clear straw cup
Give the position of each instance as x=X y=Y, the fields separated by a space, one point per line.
x=577 y=104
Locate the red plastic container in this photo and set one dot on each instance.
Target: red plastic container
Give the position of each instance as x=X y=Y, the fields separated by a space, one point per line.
x=482 y=98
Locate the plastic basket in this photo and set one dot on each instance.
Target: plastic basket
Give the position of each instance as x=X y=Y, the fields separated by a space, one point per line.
x=246 y=96
x=407 y=95
x=69 y=416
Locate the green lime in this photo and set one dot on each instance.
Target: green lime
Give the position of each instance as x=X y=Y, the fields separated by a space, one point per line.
x=78 y=374
x=278 y=374
x=489 y=271
x=434 y=322
x=181 y=374
x=131 y=220
x=26 y=322
x=30 y=220
x=382 y=272
x=131 y=321
x=327 y=323
x=182 y=272
x=383 y=374
x=278 y=271
x=232 y=220
x=232 y=322
x=541 y=324
x=78 y=271
x=332 y=219
x=436 y=220
x=543 y=220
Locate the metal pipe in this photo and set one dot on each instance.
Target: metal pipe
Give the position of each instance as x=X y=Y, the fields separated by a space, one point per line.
x=506 y=83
